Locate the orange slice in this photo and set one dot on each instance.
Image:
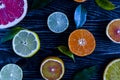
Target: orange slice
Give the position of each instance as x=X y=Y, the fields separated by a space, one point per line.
x=79 y=0
x=52 y=68
x=81 y=42
x=113 y=30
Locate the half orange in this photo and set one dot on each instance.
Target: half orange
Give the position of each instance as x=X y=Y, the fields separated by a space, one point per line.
x=81 y=42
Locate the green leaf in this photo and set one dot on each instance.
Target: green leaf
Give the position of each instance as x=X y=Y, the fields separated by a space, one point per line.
x=9 y=35
x=105 y=4
x=86 y=74
x=39 y=3
x=80 y=16
x=65 y=50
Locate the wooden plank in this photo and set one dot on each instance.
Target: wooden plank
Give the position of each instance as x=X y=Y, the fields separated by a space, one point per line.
x=36 y=20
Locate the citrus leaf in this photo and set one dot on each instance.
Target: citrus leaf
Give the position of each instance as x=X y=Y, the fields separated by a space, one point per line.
x=66 y=51
x=86 y=74
x=80 y=16
x=9 y=35
x=39 y=3
x=105 y=4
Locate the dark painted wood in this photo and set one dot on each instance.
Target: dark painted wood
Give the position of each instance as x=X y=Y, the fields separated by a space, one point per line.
x=35 y=20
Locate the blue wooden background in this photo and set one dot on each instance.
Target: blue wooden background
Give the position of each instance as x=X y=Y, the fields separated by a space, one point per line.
x=97 y=20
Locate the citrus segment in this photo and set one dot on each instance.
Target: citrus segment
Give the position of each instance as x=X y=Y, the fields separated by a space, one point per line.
x=79 y=0
x=12 y=12
x=52 y=68
x=11 y=72
x=57 y=22
x=113 y=30
x=26 y=43
x=112 y=71
x=81 y=42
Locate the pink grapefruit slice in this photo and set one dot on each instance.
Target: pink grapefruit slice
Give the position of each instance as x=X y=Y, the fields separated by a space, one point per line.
x=12 y=12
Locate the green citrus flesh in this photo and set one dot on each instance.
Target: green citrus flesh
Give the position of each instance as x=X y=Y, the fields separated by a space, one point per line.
x=112 y=72
x=26 y=43
x=11 y=72
x=57 y=22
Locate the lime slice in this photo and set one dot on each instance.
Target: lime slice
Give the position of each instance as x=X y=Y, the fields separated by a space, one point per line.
x=112 y=71
x=26 y=43
x=57 y=22
x=11 y=72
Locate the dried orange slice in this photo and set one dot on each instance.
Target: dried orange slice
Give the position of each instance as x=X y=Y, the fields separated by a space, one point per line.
x=52 y=68
x=79 y=0
x=81 y=42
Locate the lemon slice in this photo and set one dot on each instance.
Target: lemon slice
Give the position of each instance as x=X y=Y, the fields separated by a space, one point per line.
x=112 y=71
x=26 y=43
x=11 y=72
x=52 y=68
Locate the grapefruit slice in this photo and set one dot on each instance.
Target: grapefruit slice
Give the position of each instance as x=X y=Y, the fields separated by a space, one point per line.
x=113 y=30
x=52 y=68
x=81 y=42
x=12 y=12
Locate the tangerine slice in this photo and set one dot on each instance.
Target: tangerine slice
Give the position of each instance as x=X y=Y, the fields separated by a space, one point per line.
x=81 y=42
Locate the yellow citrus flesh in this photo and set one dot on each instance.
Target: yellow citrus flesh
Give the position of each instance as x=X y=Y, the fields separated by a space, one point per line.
x=52 y=68
x=26 y=43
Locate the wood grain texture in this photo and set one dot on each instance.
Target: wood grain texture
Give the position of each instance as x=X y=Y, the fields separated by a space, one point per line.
x=36 y=20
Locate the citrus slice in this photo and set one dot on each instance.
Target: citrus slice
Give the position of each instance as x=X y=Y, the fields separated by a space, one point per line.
x=81 y=42
x=52 y=68
x=57 y=22
x=79 y=0
x=26 y=43
x=12 y=12
x=112 y=71
x=11 y=72
x=113 y=30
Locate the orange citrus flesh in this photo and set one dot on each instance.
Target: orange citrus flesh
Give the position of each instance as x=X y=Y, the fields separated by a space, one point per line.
x=81 y=42
x=79 y=0
x=52 y=68
x=114 y=30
